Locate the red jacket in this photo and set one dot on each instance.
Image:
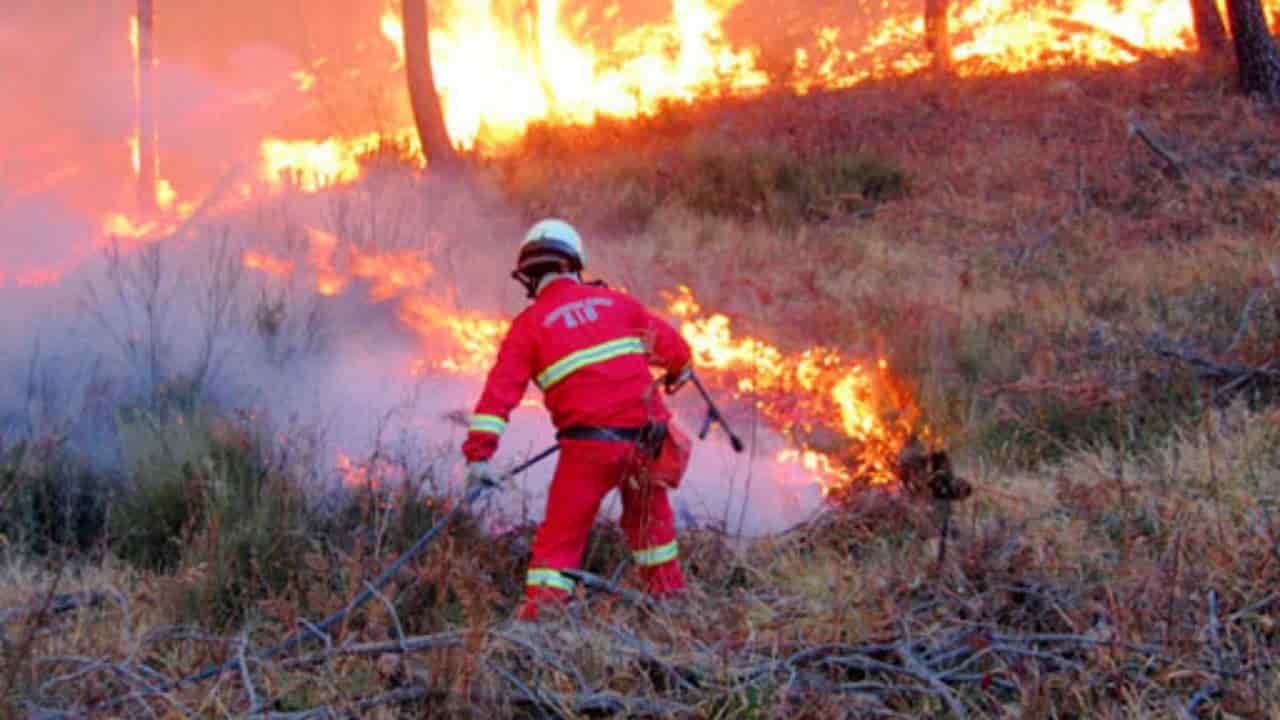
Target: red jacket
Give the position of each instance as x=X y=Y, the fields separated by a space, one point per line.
x=589 y=349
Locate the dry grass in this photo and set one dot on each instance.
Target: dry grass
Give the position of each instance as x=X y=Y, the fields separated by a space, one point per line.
x=1105 y=586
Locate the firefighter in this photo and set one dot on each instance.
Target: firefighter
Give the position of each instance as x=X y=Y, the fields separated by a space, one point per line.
x=589 y=349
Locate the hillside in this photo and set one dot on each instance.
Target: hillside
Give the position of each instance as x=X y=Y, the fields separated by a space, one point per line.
x=1075 y=273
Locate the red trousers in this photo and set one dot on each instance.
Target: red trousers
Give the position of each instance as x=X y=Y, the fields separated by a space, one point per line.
x=587 y=471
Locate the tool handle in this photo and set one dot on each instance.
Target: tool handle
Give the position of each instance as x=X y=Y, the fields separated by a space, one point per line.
x=714 y=416
x=533 y=461
x=735 y=441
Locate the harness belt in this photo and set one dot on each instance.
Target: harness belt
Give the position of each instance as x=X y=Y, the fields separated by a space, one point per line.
x=648 y=438
x=609 y=434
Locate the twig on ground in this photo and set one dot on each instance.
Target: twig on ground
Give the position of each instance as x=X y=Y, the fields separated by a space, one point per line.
x=391 y=611
x=1172 y=161
x=245 y=678
x=405 y=645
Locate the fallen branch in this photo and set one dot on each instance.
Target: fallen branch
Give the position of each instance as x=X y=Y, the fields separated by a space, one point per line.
x=406 y=645
x=1174 y=163
x=581 y=703
x=1229 y=378
x=58 y=604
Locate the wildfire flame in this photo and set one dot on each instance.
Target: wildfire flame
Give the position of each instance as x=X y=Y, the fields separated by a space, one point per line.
x=548 y=73
x=848 y=419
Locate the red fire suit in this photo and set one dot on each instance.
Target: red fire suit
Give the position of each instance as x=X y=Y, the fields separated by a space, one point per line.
x=589 y=349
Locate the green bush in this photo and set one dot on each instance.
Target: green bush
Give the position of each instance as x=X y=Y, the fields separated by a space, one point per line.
x=202 y=498
x=49 y=501
x=781 y=185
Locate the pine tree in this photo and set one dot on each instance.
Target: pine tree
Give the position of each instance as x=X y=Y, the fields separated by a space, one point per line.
x=428 y=114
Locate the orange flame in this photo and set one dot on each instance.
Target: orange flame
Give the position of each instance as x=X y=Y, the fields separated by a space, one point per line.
x=548 y=73
x=849 y=420
x=269 y=264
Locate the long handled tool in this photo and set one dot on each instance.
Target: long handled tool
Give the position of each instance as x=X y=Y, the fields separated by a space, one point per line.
x=319 y=630
x=714 y=416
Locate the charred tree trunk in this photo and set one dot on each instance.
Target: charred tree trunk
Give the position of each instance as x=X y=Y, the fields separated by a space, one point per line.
x=1255 y=50
x=937 y=33
x=1211 y=33
x=148 y=160
x=425 y=99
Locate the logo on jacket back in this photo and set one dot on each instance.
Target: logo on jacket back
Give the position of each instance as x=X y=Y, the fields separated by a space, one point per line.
x=581 y=312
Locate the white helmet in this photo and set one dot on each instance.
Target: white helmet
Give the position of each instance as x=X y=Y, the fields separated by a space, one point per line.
x=547 y=246
x=551 y=237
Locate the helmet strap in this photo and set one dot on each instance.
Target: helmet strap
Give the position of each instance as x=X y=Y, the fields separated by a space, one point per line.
x=532 y=278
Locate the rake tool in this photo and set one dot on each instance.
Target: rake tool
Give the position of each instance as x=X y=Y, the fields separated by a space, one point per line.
x=714 y=416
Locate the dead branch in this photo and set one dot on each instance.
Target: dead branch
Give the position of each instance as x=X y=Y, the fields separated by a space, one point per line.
x=61 y=603
x=406 y=645
x=934 y=681
x=399 y=696
x=1229 y=379
x=1171 y=160
x=581 y=704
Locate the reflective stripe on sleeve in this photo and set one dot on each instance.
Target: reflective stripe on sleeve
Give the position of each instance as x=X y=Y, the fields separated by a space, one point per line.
x=571 y=363
x=547 y=577
x=487 y=423
x=657 y=555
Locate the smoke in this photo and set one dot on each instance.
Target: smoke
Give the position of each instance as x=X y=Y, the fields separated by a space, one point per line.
x=182 y=323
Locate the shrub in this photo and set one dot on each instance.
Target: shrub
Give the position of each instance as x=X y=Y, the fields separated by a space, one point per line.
x=780 y=184
x=49 y=501
x=204 y=498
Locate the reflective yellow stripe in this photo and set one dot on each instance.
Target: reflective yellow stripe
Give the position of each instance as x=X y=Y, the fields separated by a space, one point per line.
x=488 y=423
x=547 y=577
x=657 y=555
x=567 y=365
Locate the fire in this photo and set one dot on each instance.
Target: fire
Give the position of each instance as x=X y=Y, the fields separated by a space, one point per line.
x=474 y=336
x=122 y=225
x=849 y=420
x=305 y=80
x=375 y=474
x=269 y=264
x=547 y=72
x=312 y=165
x=393 y=30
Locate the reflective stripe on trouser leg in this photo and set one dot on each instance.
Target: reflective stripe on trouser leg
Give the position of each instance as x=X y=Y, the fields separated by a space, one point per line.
x=657 y=555
x=651 y=532
x=548 y=577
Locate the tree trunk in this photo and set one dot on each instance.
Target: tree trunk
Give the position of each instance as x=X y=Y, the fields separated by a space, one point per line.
x=423 y=96
x=1255 y=50
x=937 y=34
x=148 y=156
x=1211 y=34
